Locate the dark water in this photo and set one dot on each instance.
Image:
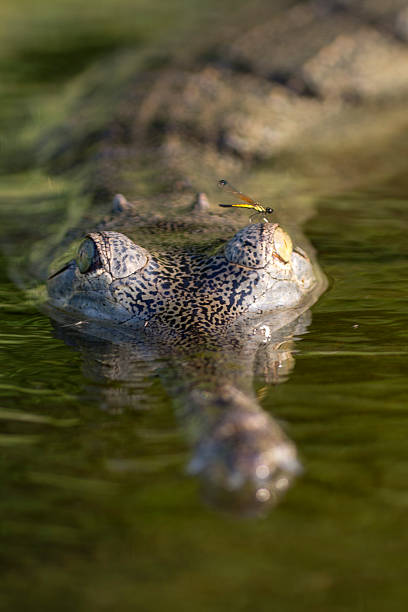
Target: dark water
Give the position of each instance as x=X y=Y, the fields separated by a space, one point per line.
x=97 y=512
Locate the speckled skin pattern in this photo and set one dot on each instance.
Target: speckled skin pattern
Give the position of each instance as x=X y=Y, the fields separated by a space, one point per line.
x=219 y=305
x=191 y=291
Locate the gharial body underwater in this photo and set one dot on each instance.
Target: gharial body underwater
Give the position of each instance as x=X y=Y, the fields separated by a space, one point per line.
x=216 y=309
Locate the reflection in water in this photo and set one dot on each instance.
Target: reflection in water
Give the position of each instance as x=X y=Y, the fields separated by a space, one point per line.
x=240 y=453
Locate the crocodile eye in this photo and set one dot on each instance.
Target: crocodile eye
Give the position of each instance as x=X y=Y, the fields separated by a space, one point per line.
x=85 y=256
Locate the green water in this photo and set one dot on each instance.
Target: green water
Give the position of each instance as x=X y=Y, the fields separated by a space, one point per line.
x=96 y=510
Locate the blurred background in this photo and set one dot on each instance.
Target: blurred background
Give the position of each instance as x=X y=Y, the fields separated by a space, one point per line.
x=303 y=105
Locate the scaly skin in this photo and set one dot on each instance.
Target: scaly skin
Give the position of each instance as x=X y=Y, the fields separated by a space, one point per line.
x=217 y=312
x=316 y=88
x=187 y=292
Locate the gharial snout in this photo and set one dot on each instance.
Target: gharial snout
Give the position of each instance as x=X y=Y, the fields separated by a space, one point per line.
x=112 y=278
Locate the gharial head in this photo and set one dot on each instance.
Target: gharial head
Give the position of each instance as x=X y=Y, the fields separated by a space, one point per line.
x=114 y=279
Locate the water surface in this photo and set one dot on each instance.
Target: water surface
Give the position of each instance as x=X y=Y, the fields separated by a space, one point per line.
x=97 y=511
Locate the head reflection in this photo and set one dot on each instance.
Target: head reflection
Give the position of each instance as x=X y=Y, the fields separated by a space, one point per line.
x=239 y=452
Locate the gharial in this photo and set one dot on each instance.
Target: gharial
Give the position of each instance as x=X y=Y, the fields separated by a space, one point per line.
x=195 y=290
x=214 y=305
